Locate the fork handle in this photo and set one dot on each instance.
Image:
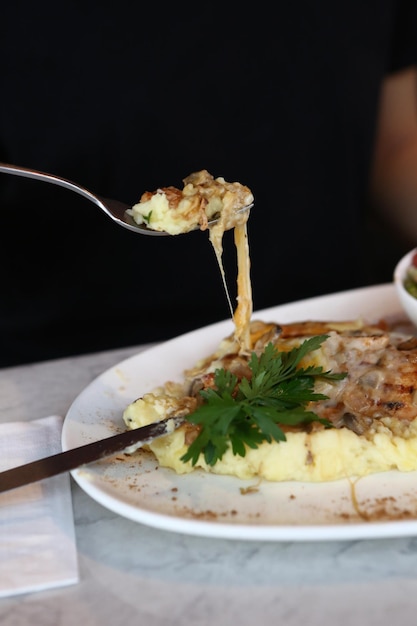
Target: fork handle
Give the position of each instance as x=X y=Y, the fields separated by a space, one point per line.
x=26 y=172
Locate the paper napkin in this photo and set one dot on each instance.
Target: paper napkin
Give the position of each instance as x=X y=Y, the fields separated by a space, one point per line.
x=37 y=537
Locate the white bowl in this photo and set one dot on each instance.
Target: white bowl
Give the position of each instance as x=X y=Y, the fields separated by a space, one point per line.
x=408 y=302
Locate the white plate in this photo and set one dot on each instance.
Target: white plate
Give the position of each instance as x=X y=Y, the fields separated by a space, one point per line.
x=383 y=505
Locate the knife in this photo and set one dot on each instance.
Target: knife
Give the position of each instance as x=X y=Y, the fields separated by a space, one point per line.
x=128 y=442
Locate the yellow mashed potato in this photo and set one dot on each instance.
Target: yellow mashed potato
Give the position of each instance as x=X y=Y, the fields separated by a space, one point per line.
x=373 y=410
x=320 y=456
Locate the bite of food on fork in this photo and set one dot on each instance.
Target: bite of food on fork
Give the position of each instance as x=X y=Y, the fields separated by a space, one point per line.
x=204 y=202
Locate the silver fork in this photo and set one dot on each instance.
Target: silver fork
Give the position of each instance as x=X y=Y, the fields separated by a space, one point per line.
x=113 y=208
x=116 y=210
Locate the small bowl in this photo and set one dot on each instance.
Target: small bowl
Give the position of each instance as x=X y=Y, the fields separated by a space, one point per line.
x=408 y=302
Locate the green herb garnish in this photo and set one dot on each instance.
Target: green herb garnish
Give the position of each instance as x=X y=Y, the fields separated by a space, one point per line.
x=147 y=218
x=248 y=412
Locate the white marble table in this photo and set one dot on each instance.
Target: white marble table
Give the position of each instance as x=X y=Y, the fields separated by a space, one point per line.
x=130 y=573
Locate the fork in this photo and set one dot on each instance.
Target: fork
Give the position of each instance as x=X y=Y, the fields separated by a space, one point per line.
x=116 y=210
x=113 y=208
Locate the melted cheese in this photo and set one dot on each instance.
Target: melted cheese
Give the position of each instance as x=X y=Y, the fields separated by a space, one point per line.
x=202 y=199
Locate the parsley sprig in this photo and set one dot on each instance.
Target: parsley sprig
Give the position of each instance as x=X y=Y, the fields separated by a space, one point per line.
x=248 y=412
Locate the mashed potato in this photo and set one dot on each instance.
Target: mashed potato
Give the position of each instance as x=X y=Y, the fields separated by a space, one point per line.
x=373 y=410
x=203 y=198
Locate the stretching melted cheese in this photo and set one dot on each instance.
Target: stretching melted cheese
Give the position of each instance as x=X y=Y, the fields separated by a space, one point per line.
x=202 y=199
x=373 y=410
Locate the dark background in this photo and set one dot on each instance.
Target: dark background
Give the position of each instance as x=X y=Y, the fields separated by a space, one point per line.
x=124 y=102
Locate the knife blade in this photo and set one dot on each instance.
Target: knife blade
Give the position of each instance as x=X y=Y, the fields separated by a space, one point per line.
x=61 y=462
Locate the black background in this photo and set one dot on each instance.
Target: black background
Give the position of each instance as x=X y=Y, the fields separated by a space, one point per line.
x=124 y=100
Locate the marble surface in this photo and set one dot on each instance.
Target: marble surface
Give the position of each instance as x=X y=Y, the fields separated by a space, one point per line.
x=137 y=574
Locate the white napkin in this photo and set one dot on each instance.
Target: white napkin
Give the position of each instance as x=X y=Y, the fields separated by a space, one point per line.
x=37 y=538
